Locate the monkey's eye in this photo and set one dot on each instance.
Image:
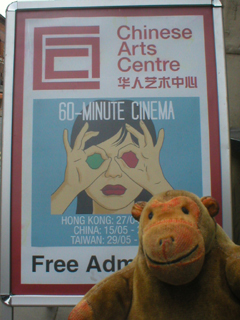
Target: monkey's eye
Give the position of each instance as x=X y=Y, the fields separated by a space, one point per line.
x=150 y=215
x=185 y=210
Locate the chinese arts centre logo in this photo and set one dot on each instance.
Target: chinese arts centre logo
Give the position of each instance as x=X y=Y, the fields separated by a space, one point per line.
x=66 y=58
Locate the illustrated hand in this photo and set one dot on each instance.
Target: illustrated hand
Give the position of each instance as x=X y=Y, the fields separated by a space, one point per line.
x=83 y=168
x=79 y=174
x=145 y=170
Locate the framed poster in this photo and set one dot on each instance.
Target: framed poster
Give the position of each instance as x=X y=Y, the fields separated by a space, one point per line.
x=110 y=105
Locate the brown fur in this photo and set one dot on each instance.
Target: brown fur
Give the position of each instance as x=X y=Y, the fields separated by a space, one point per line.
x=210 y=289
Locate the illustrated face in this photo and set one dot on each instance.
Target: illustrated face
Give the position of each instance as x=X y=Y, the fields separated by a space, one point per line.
x=113 y=190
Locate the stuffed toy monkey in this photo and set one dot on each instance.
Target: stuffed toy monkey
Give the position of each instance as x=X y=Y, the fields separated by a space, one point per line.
x=186 y=267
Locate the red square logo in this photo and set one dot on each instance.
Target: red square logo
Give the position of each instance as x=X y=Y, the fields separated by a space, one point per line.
x=66 y=58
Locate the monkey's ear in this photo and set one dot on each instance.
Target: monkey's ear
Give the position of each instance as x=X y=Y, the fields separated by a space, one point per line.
x=137 y=209
x=211 y=204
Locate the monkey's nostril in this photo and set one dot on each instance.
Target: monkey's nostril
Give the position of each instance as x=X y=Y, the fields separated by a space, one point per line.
x=168 y=240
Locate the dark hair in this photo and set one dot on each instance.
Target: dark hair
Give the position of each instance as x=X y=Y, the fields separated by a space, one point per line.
x=107 y=129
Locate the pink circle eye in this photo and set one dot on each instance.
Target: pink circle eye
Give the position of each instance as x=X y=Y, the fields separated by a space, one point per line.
x=130 y=159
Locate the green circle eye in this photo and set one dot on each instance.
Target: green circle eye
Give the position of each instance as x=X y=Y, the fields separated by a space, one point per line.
x=95 y=161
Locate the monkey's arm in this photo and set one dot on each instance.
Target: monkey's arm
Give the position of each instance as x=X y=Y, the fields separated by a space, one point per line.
x=232 y=267
x=108 y=300
x=233 y=272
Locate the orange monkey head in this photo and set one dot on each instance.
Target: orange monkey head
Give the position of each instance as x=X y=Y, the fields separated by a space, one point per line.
x=176 y=230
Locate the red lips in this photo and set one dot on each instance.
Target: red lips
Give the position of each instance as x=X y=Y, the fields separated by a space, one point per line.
x=116 y=189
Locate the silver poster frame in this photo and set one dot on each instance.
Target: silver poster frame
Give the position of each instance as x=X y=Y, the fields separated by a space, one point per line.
x=7 y=298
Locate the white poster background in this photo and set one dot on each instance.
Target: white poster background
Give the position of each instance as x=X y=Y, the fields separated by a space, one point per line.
x=190 y=53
